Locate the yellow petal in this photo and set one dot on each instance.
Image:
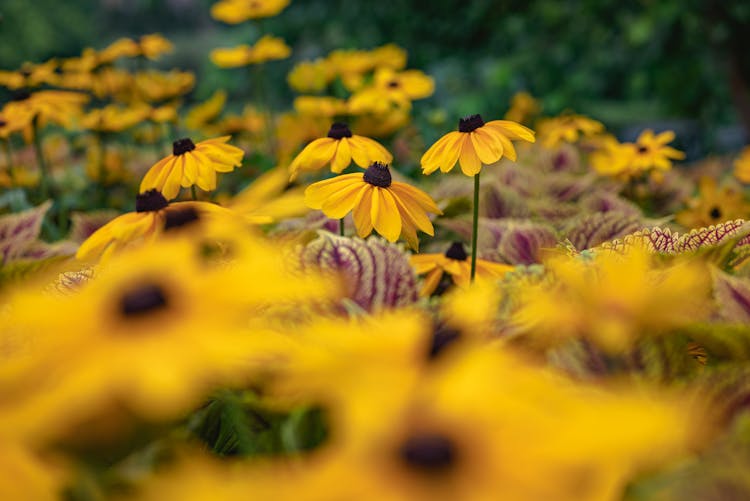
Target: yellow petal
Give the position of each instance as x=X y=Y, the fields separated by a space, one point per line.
x=385 y=215
x=339 y=204
x=361 y=214
x=343 y=156
x=488 y=148
x=431 y=281
x=470 y=163
x=317 y=193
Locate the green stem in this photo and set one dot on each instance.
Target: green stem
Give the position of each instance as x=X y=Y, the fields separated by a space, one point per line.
x=474 y=227
x=341 y=226
x=265 y=106
x=9 y=160
x=41 y=163
x=195 y=194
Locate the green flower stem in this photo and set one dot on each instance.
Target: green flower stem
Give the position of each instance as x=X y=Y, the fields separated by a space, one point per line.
x=9 y=160
x=341 y=226
x=474 y=227
x=44 y=180
x=195 y=193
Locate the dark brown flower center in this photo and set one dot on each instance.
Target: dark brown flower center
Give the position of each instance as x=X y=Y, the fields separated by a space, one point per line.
x=715 y=212
x=456 y=251
x=182 y=146
x=378 y=174
x=393 y=84
x=470 y=123
x=178 y=218
x=429 y=453
x=339 y=130
x=642 y=149
x=150 y=201
x=142 y=300
x=3 y=123
x=442 y=337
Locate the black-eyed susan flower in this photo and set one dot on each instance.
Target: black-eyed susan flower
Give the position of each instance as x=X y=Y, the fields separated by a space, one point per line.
x=474 y=144
x=652 y=152
x=339 y=148
x=456 y=263
x=154 y=45
x=239 y=11
x=115 y=118
x=567 y=128
x=377 y=202
x=267 y=48
x=713 y=205
x=151 y=217
x=192 y=164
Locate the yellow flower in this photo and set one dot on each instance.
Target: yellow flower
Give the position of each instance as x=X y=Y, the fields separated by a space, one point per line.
x=339 y=148
x=475 y=143
x=567 y=128
x=713 y=205
x=389 y=56
x=87 y=61
x=207 y=111
x=192 y=164
x=613 y=300
x=154 y=86
x=267 y=199
x=267 y=48
x=239 y=11
x=523 y=107
x=392 y=208
x=154 y=45
x=113 y=164
x=652 y=152
x=115 y=118
x=110 y=82
x=742 y=166
x=44 y=106
x=320 y=106
x=153 y=214
x=31 y=75
x=310 y=76
x=122 y=47
x=456 y=263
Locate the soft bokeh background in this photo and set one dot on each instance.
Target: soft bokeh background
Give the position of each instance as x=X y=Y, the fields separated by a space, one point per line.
x=669 y=63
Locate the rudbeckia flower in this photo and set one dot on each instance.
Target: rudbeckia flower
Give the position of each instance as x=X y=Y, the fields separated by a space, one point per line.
x=154 y=45
x=475 y=143
x=339 y=148
x=713 y=205
x=456 y=263
x=392 y=208
x=567 y=128
x=266 y=49
x=153 y=214
x=239 y=11
x=652 y=152
x=742 y=166
x=192 y=164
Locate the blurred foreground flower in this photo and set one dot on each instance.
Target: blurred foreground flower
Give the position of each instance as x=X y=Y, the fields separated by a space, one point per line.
x=742 y=166
x=614 y=299
x=192 y=164
x=239 y=11
x=392 y=208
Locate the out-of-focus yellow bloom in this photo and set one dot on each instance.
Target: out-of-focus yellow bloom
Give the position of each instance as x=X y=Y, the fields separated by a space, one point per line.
x=392 y=208
x=456 y=263
x=239 y=11
x=122 y=47
x=320 y=106
x=111 y=82
x=391 y=89
x=154 y=86
x=19 y=176
x=267 y=48
x=267 y=200
x=742 y=166
x=476 y=143
x=523 y=108
x=566 y=128
x=713 y=205
x=310 y=76
x=339 y=148
x=86 y=62
x=44 y=106
x=30 y=75
x=652 y=152
x=115 y=118
x=251 y=121
x=351 y=66
x=207 y=111
x=154 y=45
x=146 y=224
x=613 y=300
x=162 y=114
x=649 y=154
x=389 y=56
x=26 y=477
x=293 y=131
x=192 y=164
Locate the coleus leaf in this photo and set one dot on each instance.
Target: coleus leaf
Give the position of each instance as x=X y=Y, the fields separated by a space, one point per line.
x=19 y=231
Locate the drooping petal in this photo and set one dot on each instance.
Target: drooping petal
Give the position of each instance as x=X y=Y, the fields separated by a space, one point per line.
x=431 y=281
x=404 y=191
x=469 y=160
x=387 y=219
x=361 y=213
x=512 y=130
x=411 y=211
x=439 y=155
x=343 y=156
x=487 y=145
x=314 y=156
x=339 y=204
x=317 y=193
